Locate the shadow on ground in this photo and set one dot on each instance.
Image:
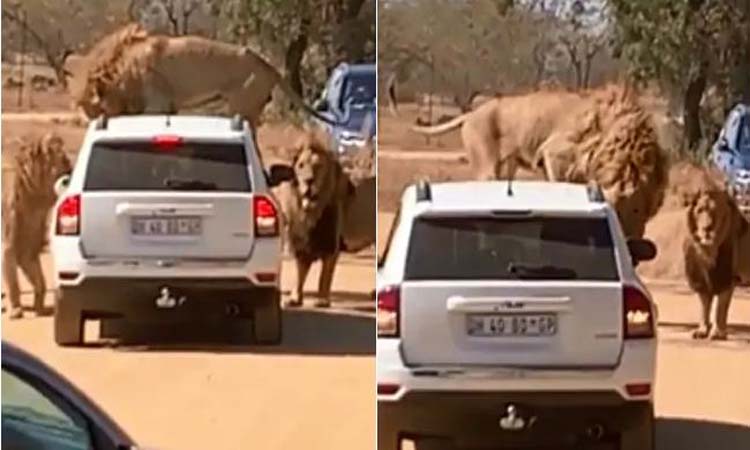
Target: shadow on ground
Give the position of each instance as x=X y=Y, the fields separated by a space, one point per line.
x=305 y=332
x=688 y=434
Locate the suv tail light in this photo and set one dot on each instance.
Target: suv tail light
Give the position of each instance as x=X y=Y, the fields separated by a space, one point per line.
x=266 y=217
x=68 y=218
x=638 y=317
x=389 y=300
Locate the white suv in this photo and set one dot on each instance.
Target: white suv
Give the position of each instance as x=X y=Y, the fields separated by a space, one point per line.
x=165 y=219
x=513 y=316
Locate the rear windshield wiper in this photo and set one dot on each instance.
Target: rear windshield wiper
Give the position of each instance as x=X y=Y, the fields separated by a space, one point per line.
x=546 y=272
x=187 y=184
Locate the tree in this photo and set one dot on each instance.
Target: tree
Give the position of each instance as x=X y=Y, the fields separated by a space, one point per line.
x=54 y=29
x=324 y=32
x=687 y=46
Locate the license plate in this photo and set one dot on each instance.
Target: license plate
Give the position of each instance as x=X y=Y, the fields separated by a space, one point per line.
x=511 y=325
x=166 y=226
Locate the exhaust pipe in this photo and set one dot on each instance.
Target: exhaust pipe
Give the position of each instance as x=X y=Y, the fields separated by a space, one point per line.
x=595 y=432
x=232 y=310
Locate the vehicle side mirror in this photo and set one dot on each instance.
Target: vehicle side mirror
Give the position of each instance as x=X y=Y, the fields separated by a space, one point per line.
x=321 y=105
x=61 y=185
x=279 y=173
x=641 y=250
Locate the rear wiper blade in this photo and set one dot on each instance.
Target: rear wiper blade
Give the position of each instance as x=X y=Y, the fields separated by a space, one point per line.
x=525 y=271
x=179 y=183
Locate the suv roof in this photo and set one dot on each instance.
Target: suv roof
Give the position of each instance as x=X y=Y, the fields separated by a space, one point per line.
x=183 y=125
x=356 y=68
x=493 y=195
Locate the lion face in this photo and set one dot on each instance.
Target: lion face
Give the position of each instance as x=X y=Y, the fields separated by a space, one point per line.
x=55 y=162
x=315 y=176
x=709 y=217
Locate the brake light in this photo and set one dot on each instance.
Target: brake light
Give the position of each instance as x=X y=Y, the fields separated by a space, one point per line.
x=266 y=217
x=166 y=141
x=638 y=389
x=639 y=319
x=389 y=300
x=388 y=388
x=69 y=216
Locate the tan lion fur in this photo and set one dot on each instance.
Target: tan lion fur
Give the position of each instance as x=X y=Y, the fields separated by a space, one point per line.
x=26 y=205
x=602 y=135
x=314 y=205
x=133 y=72
x=716 y=249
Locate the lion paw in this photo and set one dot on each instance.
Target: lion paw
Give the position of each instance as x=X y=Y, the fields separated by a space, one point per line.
x=322 y=303
x=700 y=333
x=293 y=303
x=718 y=335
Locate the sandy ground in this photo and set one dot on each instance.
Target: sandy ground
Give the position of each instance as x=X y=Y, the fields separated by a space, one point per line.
x=315 y=391
x=219 y=396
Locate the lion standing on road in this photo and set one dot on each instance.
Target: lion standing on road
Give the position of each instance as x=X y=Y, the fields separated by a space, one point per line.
x=314 y=206
x=26 y=206
x=717 y=252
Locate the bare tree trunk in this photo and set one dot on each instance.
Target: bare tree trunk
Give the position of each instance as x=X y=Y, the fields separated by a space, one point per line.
x=293 y=60
x=692 y=102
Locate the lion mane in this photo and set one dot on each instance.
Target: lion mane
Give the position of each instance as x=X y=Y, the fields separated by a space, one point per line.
x=26 y=205
x=616 y=146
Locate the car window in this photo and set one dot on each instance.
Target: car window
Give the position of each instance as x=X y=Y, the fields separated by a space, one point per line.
x=743 y=138
x=541 y=248
x=141 y=166
x=31 y=421
x=359 y=89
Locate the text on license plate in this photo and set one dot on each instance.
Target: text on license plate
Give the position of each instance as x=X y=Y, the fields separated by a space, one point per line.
x=511 y=325
x=166 y=226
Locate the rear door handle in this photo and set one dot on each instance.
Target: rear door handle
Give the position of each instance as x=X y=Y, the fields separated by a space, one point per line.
x=508 y=304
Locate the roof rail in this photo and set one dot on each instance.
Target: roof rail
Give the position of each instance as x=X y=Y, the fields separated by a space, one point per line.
x=424 y=191
x=236 y=124
x=595 y=193
x=101 y=122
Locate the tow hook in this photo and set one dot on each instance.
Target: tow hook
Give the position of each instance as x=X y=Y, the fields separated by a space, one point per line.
x=512 y=421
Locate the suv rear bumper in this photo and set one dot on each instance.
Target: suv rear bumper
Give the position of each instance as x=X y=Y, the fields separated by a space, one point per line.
x=472 y=419
x=144 y=299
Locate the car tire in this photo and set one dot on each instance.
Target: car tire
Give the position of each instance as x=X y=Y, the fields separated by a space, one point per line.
x=267 y=321
x=641 y=435
x=68 y=322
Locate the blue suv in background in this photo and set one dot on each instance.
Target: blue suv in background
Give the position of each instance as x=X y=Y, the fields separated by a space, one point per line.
x=731 y=154
x=349 y=100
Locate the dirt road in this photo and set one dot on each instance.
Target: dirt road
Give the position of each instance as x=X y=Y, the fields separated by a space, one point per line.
x=315 y=391
x=702 y=388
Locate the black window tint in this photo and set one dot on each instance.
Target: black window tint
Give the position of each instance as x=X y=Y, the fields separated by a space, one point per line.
x=502 y=249
x=359 y=88
x=140 y=166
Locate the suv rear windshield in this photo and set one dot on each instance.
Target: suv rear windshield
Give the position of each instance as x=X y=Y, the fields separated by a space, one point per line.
x=539 y=248
x=191 y=166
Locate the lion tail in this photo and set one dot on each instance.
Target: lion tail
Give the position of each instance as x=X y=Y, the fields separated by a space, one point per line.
x=442 y=128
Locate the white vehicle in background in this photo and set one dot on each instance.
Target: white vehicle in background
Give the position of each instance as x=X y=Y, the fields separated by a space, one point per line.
x=513 y=319
x=167 y=219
